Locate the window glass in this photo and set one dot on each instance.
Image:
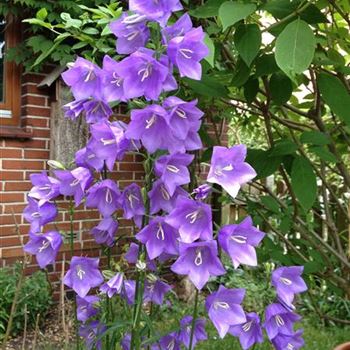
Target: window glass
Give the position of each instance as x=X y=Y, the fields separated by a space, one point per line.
x=2 y=59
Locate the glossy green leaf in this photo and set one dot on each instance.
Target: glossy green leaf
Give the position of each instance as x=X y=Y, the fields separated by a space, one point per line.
x=262 y=163
x=251 y=89
x=314 y=138
x=281 y=88
x=232 y=12
x=211 y=57
x=209 y=9
x=282 y=148
x=207 y=87
x=241 y=74
x=324 y=154
x=42 y=14
x=265 y=65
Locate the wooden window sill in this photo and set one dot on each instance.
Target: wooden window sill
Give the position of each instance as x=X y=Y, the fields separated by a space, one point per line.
x=12 y=132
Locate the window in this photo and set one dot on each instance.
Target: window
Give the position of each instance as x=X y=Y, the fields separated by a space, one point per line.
x=10 y=75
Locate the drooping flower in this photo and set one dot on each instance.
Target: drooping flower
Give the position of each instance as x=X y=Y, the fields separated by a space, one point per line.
x=279 y=320
x=160 y=199
x=250 y=332
x=179 y=28
x=224 y=308
x=150 y=125
x=97 y=111
x=83 y=274
x=289 y=341
x=170 y=342
x=187 y=51
x=172 y=170
x=199 y=333
x=45 y=187
x=84 y=79
x=159 y=237
x=131 y=36
x=202 y=192
x=74 y=182
x=92 y=334
x=239 y=242
x=132 y=256
x=128 y=291
x=86 y=307
x=86 y=158
x=199 y=261
x=104 y=232
x=193 y=220
x=142 y=74
x=229 y=170
x=288 y=282
x=113 y=286
x=155 y=290
x=74 y=109
x=39 y=215
x=159 y=10
x=132 y=203
x=45 y=247
x=105 y=196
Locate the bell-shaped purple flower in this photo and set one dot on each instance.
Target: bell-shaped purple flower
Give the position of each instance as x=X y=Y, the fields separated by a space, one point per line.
x=155 y=290
x=86 y=307
x=142 y=74
x=85 y=79
x=202 y=192
x=128 y=291
x=160 y=199
x=279 y=320
x=159 y=10
x=86 y=158
x=224 y=308
x=104 y=232
x=179 y=28
x=105 y=196
x=199 y=261
x=97 y=111
x=74 y=109
x=229 y=170
x=150 y=125
x=170 y=342
x=92 y=334
x=132 y=256
x=132 y=203
x=45 y=187
x=172 y=170
x=113 y=84
x=113 y=286
x=250 y=332
x=288 y=282
x=83 y=274
x=239 y=242
x=159 y=237
x=74 y=183
x=187 y=51
x=199 y=333
x=45 y=247
x=289 y=341
x=131 y=36
x=39 y=215
x=193 y=220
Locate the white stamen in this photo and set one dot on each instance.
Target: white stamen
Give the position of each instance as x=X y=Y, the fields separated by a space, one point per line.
x=181 y=113
x=187 y=53
x=91 y=156
x=219 y=171
x=109 y=197
x=131 y=199
x=171 y=345
x=279 y=320
x=74 y=183
x=108 y=142
x=173 y=168
x=165 y=193
x=80 y=272
x=193 y=216
x=90 y=76
x=91 y=335
x=133 y=19
x=150 y=122
x=286 y=281
x=221 y=305
x=45 y=188
x=199 y=260
x=36 y=215
x=132 y=35
x=246 y=327
x=160 y=232
x=146 y=72
x=45 y=245
x=290 y=346
x=239 y=239
x=117 y=80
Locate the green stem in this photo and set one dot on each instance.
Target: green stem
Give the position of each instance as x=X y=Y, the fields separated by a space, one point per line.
x=194 y=317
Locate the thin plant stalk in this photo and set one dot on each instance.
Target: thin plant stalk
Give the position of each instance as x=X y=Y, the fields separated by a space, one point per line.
x=194 y=317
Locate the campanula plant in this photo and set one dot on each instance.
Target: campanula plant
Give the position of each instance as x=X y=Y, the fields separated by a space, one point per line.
x=173 y=221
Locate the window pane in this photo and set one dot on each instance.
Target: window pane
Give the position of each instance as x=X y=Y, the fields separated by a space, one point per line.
x=2 y=67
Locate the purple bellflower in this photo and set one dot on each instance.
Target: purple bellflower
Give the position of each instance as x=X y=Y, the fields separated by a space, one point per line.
x=86 y=307
x=199 y=261
x=170 y=342
x=288 y=282
x=85 y=79
x=113 y=87
x=224 y=309
x=37 y=215
x=132 y=203
x=105 y=231
x=86 y=158
x=159 y=10
x=45 y=247
x=250 y=332
x=74 y=183
x=239 y=242
x=155 y=290
x=92 y=333
x=159 y=237
x=97 y=110
x=128 y=291
x=202 y=192
x=45 y=187
x=131 y=36
x=172 y=170
x=187 y=51
x=179 y=28
x=193 y=220
x=132 y=256
x=73 y=110
x=83 y=274
x=279 y=320
x=199 y=333
x=229 y=170
x=105 y=196
x=113 y=286
x=292 y=341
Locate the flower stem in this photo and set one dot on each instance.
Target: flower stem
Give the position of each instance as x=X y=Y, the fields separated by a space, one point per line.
x=194 y=317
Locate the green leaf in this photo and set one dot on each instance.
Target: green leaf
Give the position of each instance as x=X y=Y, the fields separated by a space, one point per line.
x=38 y=22
x=262 y=163
x=211 y=57
x=281 y=88
x=271 y=204
x=265 y=65
x=323 y=154
x=91 y=31
x=247 y=39
x=241 y=74
x=304 y=182
x=209 y=9
x=47 y=53
x=251 y=89
x=233 y=12
x=42 y=14
x=314 y=138
x=283 y=148
x=207 y=87
x=295 y=48
x=335 y=95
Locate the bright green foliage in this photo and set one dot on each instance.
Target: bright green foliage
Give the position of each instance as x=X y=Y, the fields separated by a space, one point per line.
x=231 y=12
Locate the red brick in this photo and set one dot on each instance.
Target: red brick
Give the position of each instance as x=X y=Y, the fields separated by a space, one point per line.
x=33 y=89
x=32 y=154
x=11 y=175
x=86 y=214
x=10 y=153
x=22 y=164
x=12 y=241
x=36 y=111
x=42 y=133
x=17 y=208
x=18 y=186
x=34 y=100
x=39 y=123
x=11 y=252
x=11 y=197
x=33 y=78
x=25 y=143
x=9 y=219
x=131 y=167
